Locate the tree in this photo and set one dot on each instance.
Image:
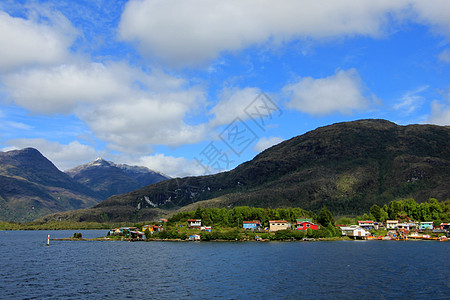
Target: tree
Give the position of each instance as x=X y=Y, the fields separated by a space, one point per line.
x=375 y=211
x=325 y=218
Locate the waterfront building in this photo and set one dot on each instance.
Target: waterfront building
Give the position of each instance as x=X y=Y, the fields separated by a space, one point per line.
x=368 y=225
x=355 y=232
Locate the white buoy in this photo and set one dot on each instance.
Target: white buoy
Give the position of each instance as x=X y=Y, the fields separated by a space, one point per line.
x=48 y=240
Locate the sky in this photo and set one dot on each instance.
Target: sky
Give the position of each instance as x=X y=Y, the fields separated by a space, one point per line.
x=196 y=87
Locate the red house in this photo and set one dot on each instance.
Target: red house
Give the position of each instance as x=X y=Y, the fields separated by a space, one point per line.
x=304 y=224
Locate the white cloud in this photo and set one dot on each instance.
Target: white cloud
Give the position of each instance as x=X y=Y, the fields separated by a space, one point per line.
x=232 y=104
x=265 y=143
x=191 y=32
x=126 y=107
x=62 y=156
x=444 y=56
x=59 y=89
x=434 y=13
x=440 y=114
x=134 y=125
x=342 y=92
x=172 y=166
x=29 y=42
x=411 y=101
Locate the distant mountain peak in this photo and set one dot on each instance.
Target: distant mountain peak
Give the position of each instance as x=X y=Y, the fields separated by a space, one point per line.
x=108 y=178
x=100 y=162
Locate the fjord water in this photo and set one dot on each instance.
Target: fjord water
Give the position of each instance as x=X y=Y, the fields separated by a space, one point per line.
x=229 y=270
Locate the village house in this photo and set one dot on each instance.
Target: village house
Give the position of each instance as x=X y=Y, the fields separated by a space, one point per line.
x=152 y=228
x=125 y=231
x=305 y=224
x=206 y=228
x=194 y=237
x=368 y=225
x=426 y=226
x=445 y=226
x=391 y=224
x=194 y=223
x=252 y=225
x=275 y=225
x=355 y=232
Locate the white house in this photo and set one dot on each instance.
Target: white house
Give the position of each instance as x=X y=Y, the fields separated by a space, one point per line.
x=367 y=225
x=391 y=224
x=355 y=231
x=195 y=223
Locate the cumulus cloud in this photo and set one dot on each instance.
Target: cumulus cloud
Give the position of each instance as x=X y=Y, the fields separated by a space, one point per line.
x=342 y=92
x=192 y=32
x=63 y=156
x=232 y=104
x=28 y=42
x=440 y=114
x=172 y=166
x=134 y=125
x=265 y=143
x=126 y=107
x=435 y=14
x=59 y=89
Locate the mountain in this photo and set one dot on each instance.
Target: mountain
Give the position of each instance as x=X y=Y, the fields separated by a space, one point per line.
x=107 y=178
x=346 y=166
x=31 y=186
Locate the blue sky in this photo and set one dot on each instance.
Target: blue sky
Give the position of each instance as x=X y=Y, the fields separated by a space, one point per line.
x=196 y=87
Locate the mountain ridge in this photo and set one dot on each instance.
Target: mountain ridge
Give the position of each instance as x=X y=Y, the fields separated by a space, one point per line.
x=108 y=178
x=31 y=186
x=346 y=166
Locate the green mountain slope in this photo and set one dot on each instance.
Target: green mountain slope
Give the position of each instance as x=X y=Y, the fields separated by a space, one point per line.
x=346 y=166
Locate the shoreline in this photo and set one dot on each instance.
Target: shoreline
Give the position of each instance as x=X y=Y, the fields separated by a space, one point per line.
x=334 y=239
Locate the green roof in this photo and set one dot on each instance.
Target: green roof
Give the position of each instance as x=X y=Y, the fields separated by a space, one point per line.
x=303 y=220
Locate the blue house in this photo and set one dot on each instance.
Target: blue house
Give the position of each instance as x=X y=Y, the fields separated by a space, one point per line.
x=251 y=224
x=426 y=225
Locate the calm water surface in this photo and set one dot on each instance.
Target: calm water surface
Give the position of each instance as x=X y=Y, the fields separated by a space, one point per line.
x=234 y=270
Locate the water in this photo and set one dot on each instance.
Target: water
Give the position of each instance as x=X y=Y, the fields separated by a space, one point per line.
x=228 y=270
